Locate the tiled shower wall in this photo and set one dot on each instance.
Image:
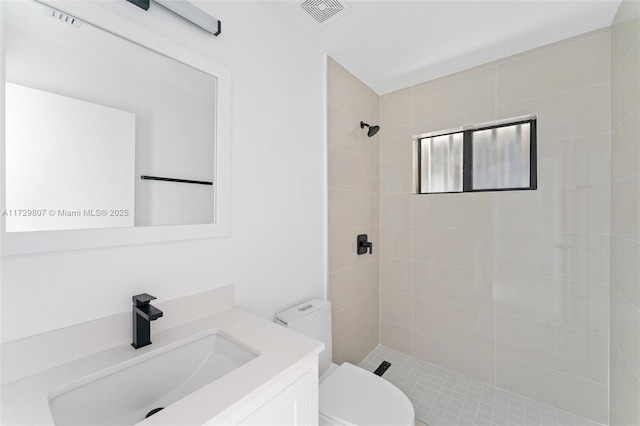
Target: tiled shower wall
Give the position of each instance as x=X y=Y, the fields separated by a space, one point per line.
x=625 y=215
x=353 y=171
x=511 y=288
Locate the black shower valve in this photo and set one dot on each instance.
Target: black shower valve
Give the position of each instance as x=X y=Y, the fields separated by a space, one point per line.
x=363 y=245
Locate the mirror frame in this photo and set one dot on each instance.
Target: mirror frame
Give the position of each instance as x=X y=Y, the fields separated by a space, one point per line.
x=12 y=243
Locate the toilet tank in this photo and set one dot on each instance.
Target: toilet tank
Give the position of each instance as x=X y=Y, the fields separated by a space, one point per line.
x=312 y=318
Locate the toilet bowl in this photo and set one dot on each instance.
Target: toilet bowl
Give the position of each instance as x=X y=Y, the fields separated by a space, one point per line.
x=349 y=395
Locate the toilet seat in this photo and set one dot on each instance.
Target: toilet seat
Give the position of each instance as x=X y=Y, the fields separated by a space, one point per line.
x=354 y=396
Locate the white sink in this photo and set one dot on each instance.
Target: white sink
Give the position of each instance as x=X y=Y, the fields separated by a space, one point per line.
x=126 y=396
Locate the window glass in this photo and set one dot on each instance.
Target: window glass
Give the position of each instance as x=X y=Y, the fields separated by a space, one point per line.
x=441 y=163
x=501 y=157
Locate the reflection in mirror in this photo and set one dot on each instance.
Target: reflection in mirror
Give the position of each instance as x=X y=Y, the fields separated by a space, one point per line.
x=44 y=131
x=88 y=113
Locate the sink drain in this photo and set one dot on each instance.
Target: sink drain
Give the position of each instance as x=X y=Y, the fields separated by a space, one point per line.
x=152 y=412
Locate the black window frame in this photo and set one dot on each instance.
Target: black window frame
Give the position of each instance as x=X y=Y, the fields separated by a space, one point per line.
x=467 y=158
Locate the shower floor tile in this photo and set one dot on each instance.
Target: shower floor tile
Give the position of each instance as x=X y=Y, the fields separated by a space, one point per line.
x=444 y=397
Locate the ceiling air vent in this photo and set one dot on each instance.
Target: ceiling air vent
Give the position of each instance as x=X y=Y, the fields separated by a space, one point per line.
x=324 y=12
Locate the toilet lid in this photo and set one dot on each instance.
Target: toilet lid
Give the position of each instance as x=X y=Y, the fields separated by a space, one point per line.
x=355 y=396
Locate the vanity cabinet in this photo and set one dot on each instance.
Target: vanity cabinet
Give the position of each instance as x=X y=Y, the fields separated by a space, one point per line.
x=288 y=400
x=289 y=407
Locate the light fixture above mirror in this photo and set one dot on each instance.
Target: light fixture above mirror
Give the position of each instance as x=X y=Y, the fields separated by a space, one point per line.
x=187 y=11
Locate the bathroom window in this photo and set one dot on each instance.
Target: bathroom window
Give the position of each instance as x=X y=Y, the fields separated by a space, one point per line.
x=500 y=157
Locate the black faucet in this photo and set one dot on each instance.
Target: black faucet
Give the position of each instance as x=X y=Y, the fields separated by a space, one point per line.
x=143 y=314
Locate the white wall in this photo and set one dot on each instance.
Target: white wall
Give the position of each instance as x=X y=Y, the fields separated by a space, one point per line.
x=275 y=255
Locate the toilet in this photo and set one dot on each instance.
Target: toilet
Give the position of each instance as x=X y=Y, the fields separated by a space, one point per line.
x=349 y=395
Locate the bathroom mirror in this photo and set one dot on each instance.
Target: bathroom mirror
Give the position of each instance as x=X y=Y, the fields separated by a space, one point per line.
x=113 y=134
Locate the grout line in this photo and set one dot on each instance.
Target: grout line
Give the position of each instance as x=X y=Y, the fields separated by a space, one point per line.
x=553 y=370
x=497 y=311
x=548 y=141
x=453 y=75
x=350 y=305
x=501 y=271
x=349 y=267
x=511 y=230
x=562 y=92
x=411 y=222
x=555 y=45
x=623 y=59
x=351 y=153
x=628 y=116
x=474 y=268
x=537 y=321
x=336 y=188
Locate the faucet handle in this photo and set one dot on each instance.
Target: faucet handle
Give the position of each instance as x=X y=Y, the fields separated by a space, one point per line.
x=142 y=299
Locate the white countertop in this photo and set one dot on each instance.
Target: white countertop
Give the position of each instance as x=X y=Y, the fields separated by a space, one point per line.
x=26 y=401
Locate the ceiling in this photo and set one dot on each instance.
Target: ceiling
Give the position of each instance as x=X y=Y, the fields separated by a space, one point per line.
x=394 y=44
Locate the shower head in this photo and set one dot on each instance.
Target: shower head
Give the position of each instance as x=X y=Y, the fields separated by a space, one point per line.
x=372 y=129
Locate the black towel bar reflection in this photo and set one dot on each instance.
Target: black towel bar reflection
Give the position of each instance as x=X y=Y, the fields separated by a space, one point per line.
x=166 y=179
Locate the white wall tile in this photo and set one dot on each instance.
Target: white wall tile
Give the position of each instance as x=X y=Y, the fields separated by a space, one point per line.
x=348 y=209
x=574 y=209
x=349 y=323
x=395 y=209
x=627 y=323
x=349 y=285
x=630 y=90
x=345 y=91
x=396 y=274
x=457 y=210
x=448 y=283
x=356 y=350
x=344 y=132
x=580 y=112
x=566 y=350
x=625 y=268
x=456 y=121
x=462 y=324
x=625 y=151
x=585 y=398
x=454 y=246
x=582 y=63
x=395 y=241
x=574 y=304
x=577 y=257
x=576 y=161
x=469 y=360
x=396 y=308
x=396 y=142
x=629 y=394
x=396 y=176
x=396 y=109
x=625 y=203
x=461 y=92
x=396 y=337
x=347 y=170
